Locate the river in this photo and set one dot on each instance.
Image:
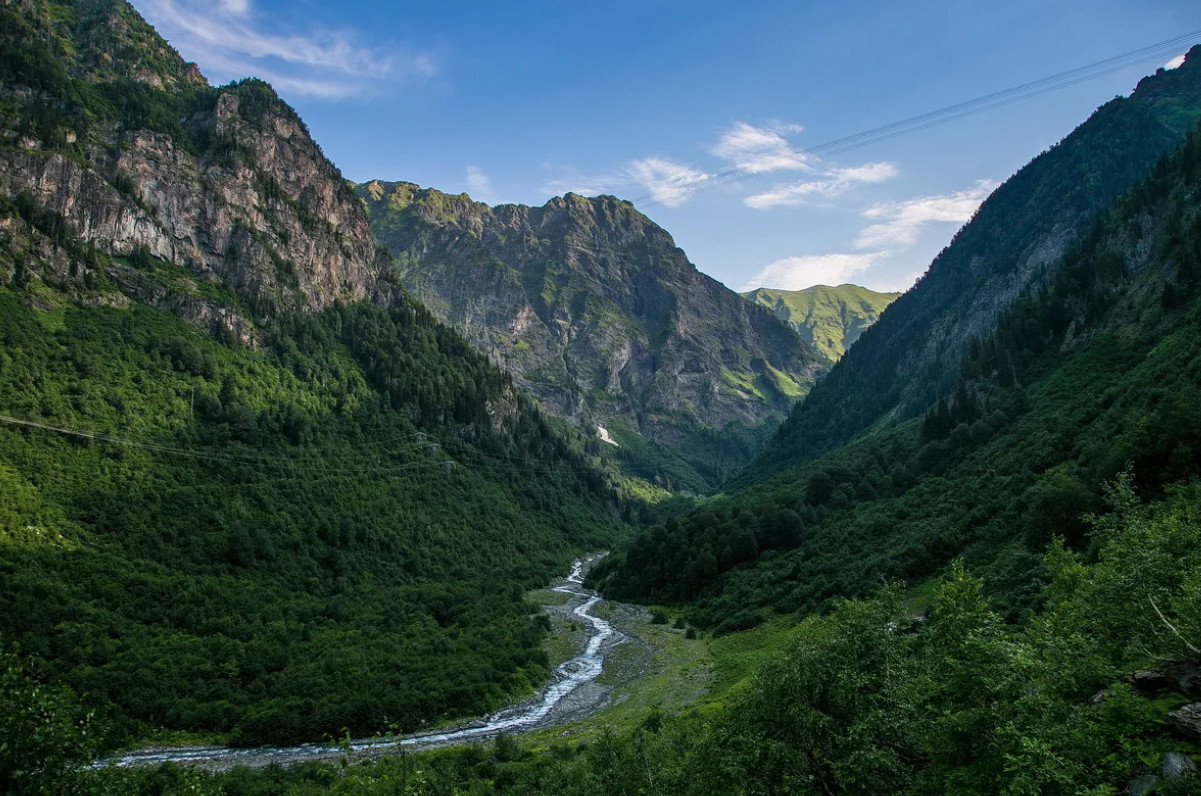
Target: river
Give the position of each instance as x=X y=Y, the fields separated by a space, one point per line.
x=531 y=714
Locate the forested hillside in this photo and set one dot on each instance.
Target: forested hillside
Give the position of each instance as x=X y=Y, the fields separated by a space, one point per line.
x=911 y=355
x=870 y=699
x=1093 y=369
x=251 y=490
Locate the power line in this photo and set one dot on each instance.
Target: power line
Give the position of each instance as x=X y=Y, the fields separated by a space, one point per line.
x=959 y=110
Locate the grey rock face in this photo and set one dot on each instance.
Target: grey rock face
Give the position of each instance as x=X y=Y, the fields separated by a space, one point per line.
x=1142 y=785
x=1187 y=721
x=594 y=309
x=276 y=224
x=1182 y=677
x=1176 y=764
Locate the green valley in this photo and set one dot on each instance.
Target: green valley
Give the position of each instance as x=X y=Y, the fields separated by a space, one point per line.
x=312 y=485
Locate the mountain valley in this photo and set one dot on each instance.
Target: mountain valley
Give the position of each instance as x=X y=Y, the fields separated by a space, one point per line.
x=287 y=459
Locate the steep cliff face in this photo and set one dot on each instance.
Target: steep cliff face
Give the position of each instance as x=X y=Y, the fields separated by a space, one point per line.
x=139 y=158
x=594 y=310
x=831 y=318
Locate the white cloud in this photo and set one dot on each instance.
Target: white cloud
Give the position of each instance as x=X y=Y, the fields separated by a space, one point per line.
x=231 y=41
x=238 y=8
x=1175 y=63
x=839 y=180
x=756 y=150
x=798 y=273
x=479 y=185
x=899 y=223
x=570 y=179
x=667 y=182
x=793 y=194
x=583 y=186
x=576 y=182
x=217 y=64
x=868 y=172
x=898 y=227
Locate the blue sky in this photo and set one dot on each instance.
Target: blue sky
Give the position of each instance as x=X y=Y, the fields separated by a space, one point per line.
x=518 y=102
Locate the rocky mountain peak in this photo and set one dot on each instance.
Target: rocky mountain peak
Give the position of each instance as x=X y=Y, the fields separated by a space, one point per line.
x=139 y=158
x=596 y=312
x=1170 y=83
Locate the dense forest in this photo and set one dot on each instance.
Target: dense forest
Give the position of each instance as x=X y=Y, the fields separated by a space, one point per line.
x=238 y=527
x=870 y=698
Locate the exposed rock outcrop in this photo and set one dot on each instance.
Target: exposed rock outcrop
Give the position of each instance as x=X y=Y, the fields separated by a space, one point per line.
x=594 y=309
x=146 y=163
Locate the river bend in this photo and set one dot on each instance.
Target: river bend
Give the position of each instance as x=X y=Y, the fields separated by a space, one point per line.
x=567 y=677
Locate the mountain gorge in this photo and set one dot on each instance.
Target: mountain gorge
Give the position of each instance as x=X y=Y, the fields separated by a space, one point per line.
x=287 y=460
x=599 y=316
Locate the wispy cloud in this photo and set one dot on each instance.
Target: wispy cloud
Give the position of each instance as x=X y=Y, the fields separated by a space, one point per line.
x=238 y=8
x=793 y=194
x=1175 y=63
x=757 y=150
x=836 y=181
x=479 y=185
x=868 y=172
x=899 y=223
x=798 y=273
x=748 y=150
x=897 y=227
x=667 y=182
x=573 y=181
x=229 y=41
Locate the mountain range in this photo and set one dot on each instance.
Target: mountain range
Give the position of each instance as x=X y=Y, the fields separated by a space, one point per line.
x=235 y=454
x=281 y=458
x=601 y=317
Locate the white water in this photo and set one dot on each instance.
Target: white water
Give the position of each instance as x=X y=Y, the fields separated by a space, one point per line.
x=568 y=676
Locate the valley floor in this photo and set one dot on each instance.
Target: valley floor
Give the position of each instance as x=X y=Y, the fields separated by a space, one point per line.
x=652 y=664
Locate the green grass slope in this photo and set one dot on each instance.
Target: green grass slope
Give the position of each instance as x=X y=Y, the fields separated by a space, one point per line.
x=830 y=318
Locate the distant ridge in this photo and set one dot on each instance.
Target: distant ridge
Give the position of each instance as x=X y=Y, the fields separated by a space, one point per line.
x=830 y=318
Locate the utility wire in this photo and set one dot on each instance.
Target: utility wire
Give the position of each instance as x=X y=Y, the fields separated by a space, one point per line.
x=959 y=110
